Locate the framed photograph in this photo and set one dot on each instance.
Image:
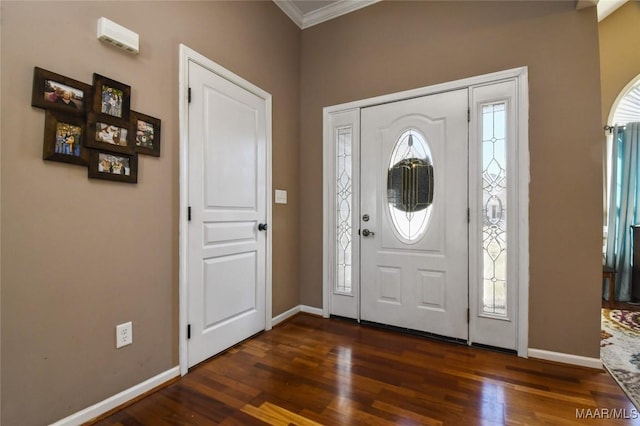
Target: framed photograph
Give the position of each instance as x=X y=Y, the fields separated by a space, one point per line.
x=56 y=92
x=109 y=134
x=147 y=133
x=110 y=166
x=111 y=97
x=63 y=135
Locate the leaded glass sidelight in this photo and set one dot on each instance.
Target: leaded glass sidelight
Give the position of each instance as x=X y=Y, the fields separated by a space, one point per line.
x=344 y=202
x=494 y=209
x=410 y=185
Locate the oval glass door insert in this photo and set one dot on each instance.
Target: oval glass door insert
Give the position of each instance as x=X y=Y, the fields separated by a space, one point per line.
x=410 y=186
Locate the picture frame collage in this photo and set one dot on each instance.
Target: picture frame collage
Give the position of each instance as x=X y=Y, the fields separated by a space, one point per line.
x=93 y=125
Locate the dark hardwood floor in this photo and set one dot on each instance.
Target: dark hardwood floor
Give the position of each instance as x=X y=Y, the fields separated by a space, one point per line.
x=310 y=371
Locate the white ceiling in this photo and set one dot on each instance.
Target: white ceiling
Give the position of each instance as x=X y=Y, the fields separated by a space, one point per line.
x=607 y=7
x=308 y=6
x=306 y=13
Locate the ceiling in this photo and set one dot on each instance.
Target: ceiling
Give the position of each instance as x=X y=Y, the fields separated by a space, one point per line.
x=306 y=13
x=309 y=6
x=607 y=7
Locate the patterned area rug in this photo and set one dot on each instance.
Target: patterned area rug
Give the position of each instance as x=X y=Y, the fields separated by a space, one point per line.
x=620 y=349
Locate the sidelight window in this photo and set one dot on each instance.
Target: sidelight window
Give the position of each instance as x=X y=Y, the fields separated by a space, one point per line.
x=344 y=203
x=494 y=208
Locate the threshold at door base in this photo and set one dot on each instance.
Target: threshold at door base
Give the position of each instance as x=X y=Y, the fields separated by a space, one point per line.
x=414 y=332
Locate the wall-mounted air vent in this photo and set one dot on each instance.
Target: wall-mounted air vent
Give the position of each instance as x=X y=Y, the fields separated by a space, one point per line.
x=118 y=36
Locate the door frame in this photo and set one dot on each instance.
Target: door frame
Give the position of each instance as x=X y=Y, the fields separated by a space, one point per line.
x=187 y=54
x=521 y=237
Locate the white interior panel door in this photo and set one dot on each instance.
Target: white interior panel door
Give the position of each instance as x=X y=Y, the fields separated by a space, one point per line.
x=414 y=207
x=227 y=198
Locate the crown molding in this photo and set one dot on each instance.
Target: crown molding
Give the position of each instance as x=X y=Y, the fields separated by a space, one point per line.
x=342 y=7
x=331 y=11
x=334 y=10
x=291 y=10
x=583 y=4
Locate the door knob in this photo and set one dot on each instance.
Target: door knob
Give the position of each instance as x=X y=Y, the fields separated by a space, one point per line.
x=262 y=227
x=366 y=233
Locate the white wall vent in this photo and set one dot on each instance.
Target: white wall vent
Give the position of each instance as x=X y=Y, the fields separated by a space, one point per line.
x=118 y=36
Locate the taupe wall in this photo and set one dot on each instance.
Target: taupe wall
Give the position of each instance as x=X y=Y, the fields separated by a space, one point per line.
x=80 y=256
x=393 y=46
x=619 y=58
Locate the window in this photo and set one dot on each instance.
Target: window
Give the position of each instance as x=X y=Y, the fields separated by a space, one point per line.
x=628 y=110
x=494 y=209
x=344 y=203
x=410 y=186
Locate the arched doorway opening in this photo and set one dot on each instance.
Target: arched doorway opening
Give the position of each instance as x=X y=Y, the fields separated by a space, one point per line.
x=625 y=110
x=620 y=330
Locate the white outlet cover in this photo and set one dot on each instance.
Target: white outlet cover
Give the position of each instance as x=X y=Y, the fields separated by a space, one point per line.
x=124 y=334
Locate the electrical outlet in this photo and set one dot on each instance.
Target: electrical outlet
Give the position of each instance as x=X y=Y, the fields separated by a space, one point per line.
x=124 y=334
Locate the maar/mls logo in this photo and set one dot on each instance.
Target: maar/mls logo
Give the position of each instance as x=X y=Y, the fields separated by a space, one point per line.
x=607 y=413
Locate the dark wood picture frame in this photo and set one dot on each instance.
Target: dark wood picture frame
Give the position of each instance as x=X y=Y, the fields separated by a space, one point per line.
x=50 y=91
x=146 y=130
x=62 y=141
x=111 y=97
x=102 y=131
x=109 y=166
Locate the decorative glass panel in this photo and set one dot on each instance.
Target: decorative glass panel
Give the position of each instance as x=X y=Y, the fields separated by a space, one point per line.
x=410 y=185
x=494 y=209
x=344 y=201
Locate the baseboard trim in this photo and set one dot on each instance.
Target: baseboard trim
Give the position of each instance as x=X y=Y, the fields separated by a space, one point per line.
x=578 y=360
x=311 y=310
x=285 y=315
x=117 y=400
x=291 y=312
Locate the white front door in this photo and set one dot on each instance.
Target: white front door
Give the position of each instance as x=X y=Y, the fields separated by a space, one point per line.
x=227 y=195
x=414 y=214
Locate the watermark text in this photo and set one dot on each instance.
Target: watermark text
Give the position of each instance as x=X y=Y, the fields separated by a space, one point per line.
x=607 y=413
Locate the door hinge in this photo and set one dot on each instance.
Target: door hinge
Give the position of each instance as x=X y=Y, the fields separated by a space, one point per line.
x=468 y=316
x=468 y=114
x=189 y=94
x=468 y=215
x=189 y=331
x=189 y=213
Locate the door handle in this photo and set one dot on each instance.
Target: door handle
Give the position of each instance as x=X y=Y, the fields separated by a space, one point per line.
x=367 y=233
x=262 y=226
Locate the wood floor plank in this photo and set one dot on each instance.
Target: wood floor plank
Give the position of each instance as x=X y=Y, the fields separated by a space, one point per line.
x=274 y=415
x=310 y=370
x=406 y=414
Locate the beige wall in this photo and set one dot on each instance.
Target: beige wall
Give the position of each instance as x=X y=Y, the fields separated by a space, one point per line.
x=619 y=58
x=393 y=46
x=80 y=256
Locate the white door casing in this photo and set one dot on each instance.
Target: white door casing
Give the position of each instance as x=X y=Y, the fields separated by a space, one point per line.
x=336 y=303
x=419 y=284
x=225 y=258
